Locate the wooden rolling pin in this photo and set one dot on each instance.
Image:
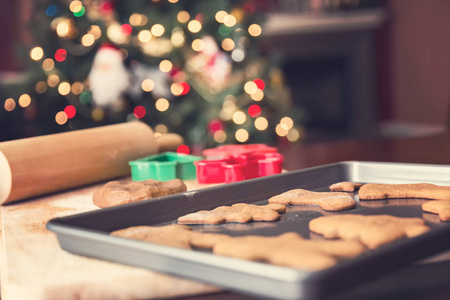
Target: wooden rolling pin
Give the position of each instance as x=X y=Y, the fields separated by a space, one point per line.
x=45 y=164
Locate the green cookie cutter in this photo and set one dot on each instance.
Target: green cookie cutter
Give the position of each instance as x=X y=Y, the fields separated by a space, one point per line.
x=164 y=166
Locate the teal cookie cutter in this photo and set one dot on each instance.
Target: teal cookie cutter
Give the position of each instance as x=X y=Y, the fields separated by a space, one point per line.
x=164 y=166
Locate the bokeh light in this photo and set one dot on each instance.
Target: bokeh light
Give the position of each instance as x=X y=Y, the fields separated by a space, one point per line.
x=241 y=135
x=24 y=100
x=48 y=64
x=70 y=111
x=198 y=45
x=165 y=66
x=250 y=87
x=61 y=118
x=286 y=123
x=220 y=16
x=77 y=88
x=280 y=130
x=220 y=136
x=87 y=40
x=60 y=55
x=64 y=88
x=139 y=111
x=194 y=26
x=183 y=16
x=36 y=53
x=238 y=55
x=261 y=123
x=95 y=31
x=10 y=104
x=259 y=83
x=162 y=104
x=157 y=30
x=254 y=30
x=138 y=19
x=254 y=110
x=53 y=80
x=161 y=128
x=258 y=95
x=144 y=36
x=228 y=44
x=147 y=85
x=239 y=117
x=229 y=21
x=98 y=114
x=293 y=135
x=40 y=87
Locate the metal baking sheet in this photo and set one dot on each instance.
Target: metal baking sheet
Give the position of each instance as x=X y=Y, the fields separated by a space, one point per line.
x=88 y=233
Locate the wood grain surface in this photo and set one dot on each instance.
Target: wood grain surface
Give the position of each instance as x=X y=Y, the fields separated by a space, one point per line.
x=33 y=266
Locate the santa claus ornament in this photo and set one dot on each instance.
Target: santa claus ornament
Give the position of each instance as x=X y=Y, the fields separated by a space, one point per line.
x=108 y=78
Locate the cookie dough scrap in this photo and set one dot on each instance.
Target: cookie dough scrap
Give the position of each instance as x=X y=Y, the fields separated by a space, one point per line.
x=179 y=236
x=345 y=186
x=440 y=207
x=125 y=191
x=374 y=191
x=332 y=201
x=239 y=212
x=289 y=250
x=372 y=231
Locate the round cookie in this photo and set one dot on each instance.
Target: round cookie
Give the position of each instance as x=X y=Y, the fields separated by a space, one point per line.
x=125 y=191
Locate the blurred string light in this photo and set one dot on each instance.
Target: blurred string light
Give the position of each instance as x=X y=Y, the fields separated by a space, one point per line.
x=254 y=110
x=165 y=66
x=254 y=30
x=238 y=55
x=228 y=44
x=51 y=10
x=198 y=45
x=97 y=114
x=286 y=123
x=220 y=136
x=36 y=53
x=280 y=130
x=162 y=104
x=161 y=128
x=241 y=135
x=70 y=111
x=60 y=55
x=293 y=135
x=40 y=87
x=194 y=26
x=24 y=100
x=177 y=37
x=139 y=112
x=61 y=118
x=144 y=36
x=10 y=104
x=87 y=40
x=229 y=20
x=220 y=16
x=258 y=95
x=239 y=117
x=77 y=88
x=64 y=88
x=157 y=30
x=53 y=80
x=183 y=149
x=147 y=85
x=183 y=16
x=138 y=19
x=48 y=64
x=95 y=31
x=261 y=123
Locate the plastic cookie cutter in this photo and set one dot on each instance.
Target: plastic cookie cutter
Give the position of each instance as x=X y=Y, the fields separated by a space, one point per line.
x=226 y=151
x=239 y=166
x=164 y=166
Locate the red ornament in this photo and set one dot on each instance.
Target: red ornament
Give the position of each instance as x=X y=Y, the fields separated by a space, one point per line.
x=259 y=83
x=215 y=125
x=183 y=149
x=139 y=112
x=107 y=7
x=60 y=55
x=254 y=111
x=70 y=111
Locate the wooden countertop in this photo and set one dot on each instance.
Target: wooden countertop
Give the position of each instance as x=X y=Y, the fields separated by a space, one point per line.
x=32 y=265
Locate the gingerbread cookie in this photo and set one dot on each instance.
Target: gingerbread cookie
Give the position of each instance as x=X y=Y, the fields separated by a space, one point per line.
x=345 y=186
x=332 y=201
x=373 y=191
x=289 y=250
x=125 y=191
x=179 y=236
x=239 y=212
x=442 y=208
x=372 y=231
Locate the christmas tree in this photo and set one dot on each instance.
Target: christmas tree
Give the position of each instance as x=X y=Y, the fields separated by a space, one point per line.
x=189 y=67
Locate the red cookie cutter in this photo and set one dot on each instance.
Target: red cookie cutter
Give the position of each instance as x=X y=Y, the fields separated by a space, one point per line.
x=242 y=164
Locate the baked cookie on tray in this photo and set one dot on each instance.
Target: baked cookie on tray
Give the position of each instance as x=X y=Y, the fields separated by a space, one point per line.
x=331 y=201
x=372 y=231
x=375 y=191
x=239 y=212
